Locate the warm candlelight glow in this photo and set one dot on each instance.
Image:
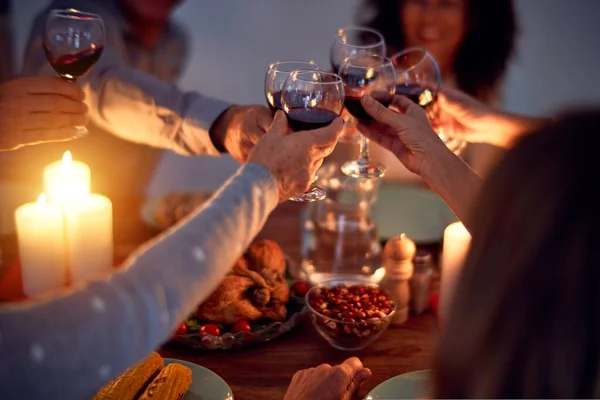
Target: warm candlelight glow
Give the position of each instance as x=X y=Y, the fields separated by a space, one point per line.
x=67 y=180
x=40 y=233
x=41 y=199
x=67 y=159
x=457 y=242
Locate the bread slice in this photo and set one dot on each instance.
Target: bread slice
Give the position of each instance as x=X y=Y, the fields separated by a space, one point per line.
x=130 y=384
x=171 y=384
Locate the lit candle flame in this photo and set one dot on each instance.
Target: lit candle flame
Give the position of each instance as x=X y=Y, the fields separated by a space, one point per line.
x=67 y=159
x=41 y=199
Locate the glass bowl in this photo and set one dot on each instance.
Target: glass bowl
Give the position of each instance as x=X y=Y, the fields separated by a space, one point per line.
x=350 y=314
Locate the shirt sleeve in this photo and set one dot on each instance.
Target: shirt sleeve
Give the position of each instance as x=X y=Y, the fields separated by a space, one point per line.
x=129 y=103
x=67 y=347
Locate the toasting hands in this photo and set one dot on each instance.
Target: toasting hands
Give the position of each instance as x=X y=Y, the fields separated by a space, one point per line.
x=294 y=157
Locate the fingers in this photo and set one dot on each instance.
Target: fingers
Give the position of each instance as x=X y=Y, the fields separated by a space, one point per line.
x=408 y=107
x=52 y=121
x=279 y=124
x=50 y=103
x=264 y=119
x=43 y=85
x=47 y=135
x=326 y=136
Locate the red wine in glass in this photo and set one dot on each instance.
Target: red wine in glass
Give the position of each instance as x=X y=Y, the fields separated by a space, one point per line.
x=421 y=95
x=71 y=66
x=274 y=101
x=302 y=119
x=355 y=107
x=73 y=42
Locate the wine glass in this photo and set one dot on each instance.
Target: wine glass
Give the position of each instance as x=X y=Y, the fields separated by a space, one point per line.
x=418 y=77
x=375 y=76
x=276 y=76
x=351 y=41
x=312 y=99
x=73 y=42
x=354 y=41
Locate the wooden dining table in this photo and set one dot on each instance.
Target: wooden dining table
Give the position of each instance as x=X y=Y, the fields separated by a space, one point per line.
x=263 y=371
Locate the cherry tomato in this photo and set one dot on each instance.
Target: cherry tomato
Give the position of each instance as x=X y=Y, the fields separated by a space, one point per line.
x=210 y=329
x=241 y=326
x=300 y=288
x=182 y=329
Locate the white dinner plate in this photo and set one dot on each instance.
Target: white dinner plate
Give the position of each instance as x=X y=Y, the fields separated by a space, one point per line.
x=411 y=209
x=206 y=385
x=412 y=385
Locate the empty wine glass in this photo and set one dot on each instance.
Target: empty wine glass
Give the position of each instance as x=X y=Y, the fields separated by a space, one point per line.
x=277 y=73
x=311 y=100
x=419 y=78
x=73 y=42
x=354 y=41
x=375 y=76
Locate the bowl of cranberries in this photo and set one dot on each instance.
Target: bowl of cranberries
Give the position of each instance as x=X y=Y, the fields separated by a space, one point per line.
x=350 y=314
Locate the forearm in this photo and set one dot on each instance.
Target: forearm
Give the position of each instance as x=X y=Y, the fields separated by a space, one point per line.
x=143 y=109
x=68 y=347
x=454 y=181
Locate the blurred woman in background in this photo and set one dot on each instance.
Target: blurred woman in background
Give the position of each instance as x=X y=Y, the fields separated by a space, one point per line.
x=472 y=41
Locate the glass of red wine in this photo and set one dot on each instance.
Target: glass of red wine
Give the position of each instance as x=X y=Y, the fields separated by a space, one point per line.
x=73 y=42
x=418 y=77
x=375 y=76
x=311 y=100
x=355 y=41
x=276 y=76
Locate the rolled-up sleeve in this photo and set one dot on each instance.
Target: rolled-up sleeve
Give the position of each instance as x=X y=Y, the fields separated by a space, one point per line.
x=129 y=103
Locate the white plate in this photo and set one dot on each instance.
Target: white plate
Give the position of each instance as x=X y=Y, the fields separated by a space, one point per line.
x=406 y=386
x=206 y=385
x=411 y=209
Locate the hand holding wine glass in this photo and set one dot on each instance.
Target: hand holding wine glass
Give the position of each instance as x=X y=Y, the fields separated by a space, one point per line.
x=419 y=78
x=312 y=100
x=293 y=158
x=375 y=76
x=73 y=42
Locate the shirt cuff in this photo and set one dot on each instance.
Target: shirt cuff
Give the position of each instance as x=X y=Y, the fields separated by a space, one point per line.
x=262 y=179
x=195 y=137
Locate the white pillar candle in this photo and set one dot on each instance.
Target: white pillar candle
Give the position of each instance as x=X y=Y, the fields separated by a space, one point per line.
x=457 y=242
x=40 y=235
x=89 y=233
x=67 y=180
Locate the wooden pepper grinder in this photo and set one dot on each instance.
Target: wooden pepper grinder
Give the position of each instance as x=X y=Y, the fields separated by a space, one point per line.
x=398 y=255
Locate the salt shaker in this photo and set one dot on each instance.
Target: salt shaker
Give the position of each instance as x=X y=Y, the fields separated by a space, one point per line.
x=398 y=254
x=420 y=282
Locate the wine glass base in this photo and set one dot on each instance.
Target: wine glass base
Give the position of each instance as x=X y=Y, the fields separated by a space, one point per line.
x=363 y=169
x=315 y=193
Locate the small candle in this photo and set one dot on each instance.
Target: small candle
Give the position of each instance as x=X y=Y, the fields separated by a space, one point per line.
x=40 y=235
x=89 y=234
x=66 y=180
x=457 y=241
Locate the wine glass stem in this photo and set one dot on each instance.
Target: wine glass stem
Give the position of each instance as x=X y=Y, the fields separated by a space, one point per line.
x=364 y=148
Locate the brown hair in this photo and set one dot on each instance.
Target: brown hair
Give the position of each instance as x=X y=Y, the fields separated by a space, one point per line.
x=525 y=321
x=484 y=53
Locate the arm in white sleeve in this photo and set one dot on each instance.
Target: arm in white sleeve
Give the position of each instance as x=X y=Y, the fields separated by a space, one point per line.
x=127 y=102
x=67 y=347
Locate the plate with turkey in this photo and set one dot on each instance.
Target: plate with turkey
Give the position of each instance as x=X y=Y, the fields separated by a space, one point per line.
x=256 y=301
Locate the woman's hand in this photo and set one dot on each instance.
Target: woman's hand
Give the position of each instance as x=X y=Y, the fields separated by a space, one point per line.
x=404 y=130
x=294 y=157
x=39 y=109
x=328 y=383
x=475 y=122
